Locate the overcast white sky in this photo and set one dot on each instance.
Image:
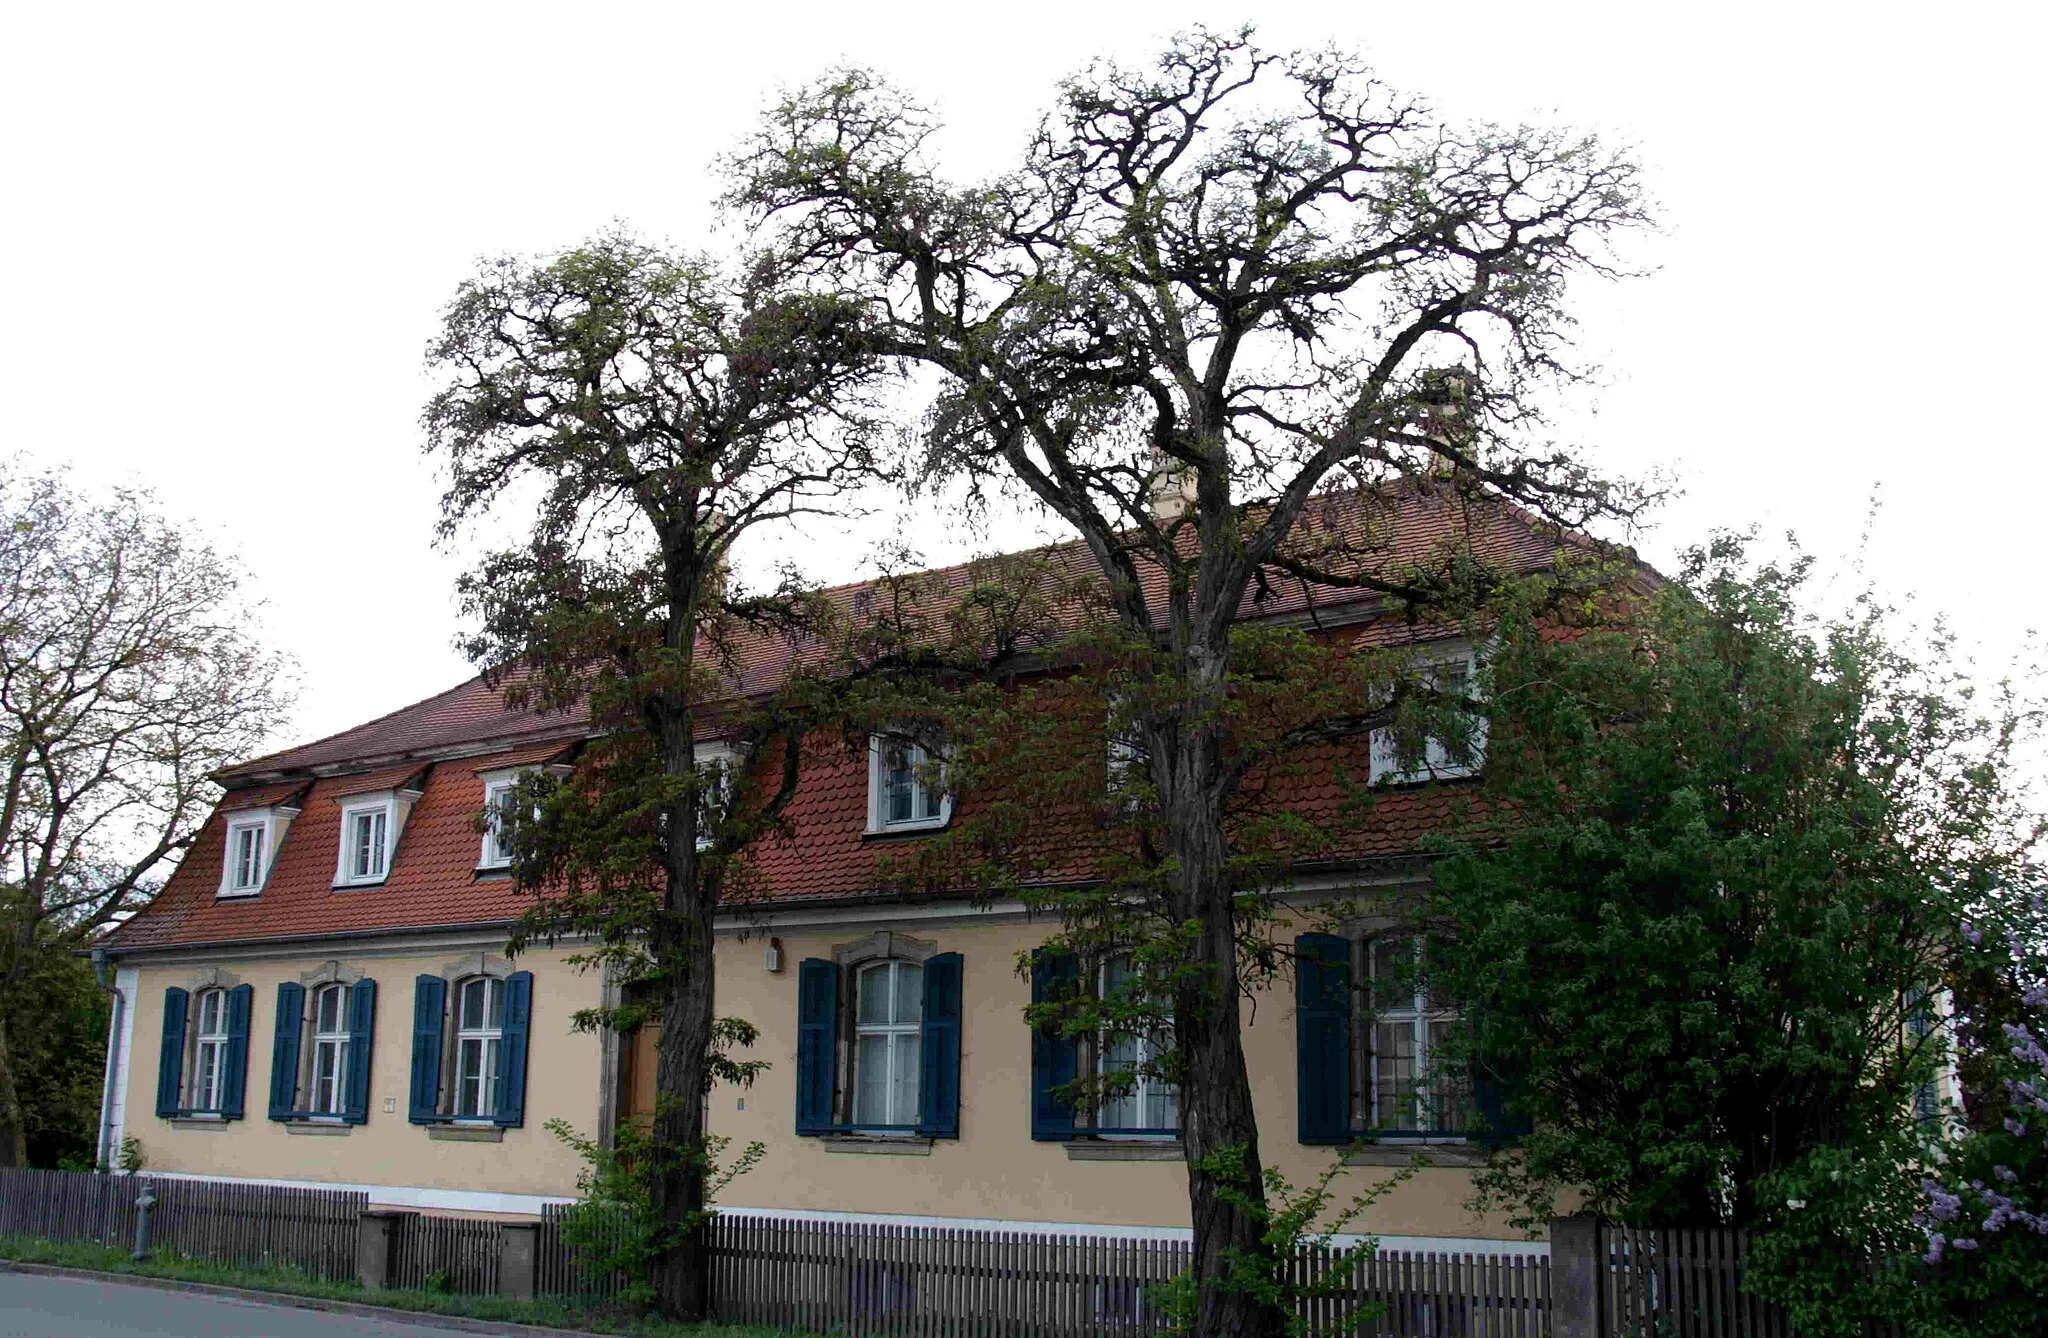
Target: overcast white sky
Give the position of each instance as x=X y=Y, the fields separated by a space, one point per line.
x=230 y=229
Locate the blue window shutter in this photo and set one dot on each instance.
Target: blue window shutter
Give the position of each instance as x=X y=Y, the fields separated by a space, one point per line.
x=512 y=1060
x=1495 y=1083
x=1322 y=1037
x=284 y=1050
x=939 y=1069
x=1054 y=1058
x=235 y=1081
x=429 y=1002
x=170 y=1061
x=362 y=1029
x=817 y=1043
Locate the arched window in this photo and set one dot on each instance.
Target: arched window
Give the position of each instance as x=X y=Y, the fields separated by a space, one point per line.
x=888 y=1024
x=209 y=1050
x=479 y=1045
x=329 y=1086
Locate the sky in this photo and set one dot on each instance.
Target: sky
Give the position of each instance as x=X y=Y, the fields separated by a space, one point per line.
x=230 y=230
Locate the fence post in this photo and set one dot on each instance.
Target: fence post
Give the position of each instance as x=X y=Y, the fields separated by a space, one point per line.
x=518 y=1253
x=1577 y=1273
x=377 y=1236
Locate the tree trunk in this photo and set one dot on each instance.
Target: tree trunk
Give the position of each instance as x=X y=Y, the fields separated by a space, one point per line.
x=13 y=1122
x=1226 y=1195
x=682 y=1280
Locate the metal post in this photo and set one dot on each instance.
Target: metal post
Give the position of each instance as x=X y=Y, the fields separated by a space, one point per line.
x=143 y=1203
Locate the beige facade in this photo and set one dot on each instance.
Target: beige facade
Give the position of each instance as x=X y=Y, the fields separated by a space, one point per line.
x=994 y=1170
x=565 y=1079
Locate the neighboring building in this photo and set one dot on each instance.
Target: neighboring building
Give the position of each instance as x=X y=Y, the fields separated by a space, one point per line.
x=320 y=996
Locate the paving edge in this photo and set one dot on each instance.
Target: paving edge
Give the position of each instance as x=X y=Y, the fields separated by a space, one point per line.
x=427 y=1319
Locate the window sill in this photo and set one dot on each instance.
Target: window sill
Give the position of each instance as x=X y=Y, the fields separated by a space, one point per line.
x=246 y=894
x=198 y=1121
x=905 y=829
x=876 y=1145
x=318 y=1128
x=466 y=1133
x=1135 y=1149
x=493 y=871
x=357 y=887
x=1408 y=1153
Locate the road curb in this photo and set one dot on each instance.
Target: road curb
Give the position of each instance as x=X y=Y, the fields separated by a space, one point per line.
x=426 y=1319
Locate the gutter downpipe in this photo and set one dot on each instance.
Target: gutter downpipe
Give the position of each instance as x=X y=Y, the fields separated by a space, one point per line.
x=99 y=974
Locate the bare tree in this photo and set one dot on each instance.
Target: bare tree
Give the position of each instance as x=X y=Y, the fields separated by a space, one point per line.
x=1214 y=289
x=129 y=672
x=663 y=408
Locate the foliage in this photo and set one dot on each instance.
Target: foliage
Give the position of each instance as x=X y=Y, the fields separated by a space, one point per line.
x=1295 y=1220
x=547 y=1311
x=1214 y=290
x=663 y=406
x=56 y=1020
x=616 y=1226
x=132 y=671
x=1744 y=839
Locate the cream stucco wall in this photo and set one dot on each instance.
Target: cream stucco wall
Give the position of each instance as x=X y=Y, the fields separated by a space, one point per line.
x=563 y=1080
x=994 y=1169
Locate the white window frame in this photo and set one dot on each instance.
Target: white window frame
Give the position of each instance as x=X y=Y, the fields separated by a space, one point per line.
x=490 y=1042
x=1146 y=1087
x=332 y=1042
x=1383 y=759
x=726 y=758
x=878 y=796
x=895 y=1030
x=270 y=823
x=1421 y=1014
x=496 y=783
x=394 y=805
x=207 y=1046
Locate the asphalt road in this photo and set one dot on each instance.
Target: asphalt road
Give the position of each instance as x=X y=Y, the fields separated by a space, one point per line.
x=45 y=1307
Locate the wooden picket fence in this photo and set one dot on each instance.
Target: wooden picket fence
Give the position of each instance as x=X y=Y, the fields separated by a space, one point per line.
x=558 y=1272
x=940 y=1282
x=449 y=1254
x=312 y=1230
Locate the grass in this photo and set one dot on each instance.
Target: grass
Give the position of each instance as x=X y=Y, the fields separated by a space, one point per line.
x=548 y=1311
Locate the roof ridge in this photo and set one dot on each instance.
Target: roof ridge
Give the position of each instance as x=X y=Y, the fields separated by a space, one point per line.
x=239 y=767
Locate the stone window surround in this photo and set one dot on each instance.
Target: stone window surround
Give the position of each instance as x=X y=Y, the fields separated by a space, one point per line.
x=466 y=967
x=883 y=945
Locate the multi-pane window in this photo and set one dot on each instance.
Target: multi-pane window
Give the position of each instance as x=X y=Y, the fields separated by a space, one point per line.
x=500 y=811
x=245 y=857
x=329 y=1086
x=1440 y=754
x=888 y=1020
x=1407 y=1080
x=209 y=1051
x=364 y=835
x=906 y=790
x=479 y=1046
x=1149 y=1103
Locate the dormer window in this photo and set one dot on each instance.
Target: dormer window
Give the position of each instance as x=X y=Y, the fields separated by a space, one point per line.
x=253 y=837
x=1395 y=758
x=906 y=790
x=498 y=815
x=370 y=826
x=716 y=763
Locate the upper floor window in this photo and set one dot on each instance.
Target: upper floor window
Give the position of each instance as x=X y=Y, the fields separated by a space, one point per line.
x=716 y=765
x=906 y=787
x=365 y=842
x=245 y=856
x=888 y=1027
x=1453 y=749
x=479 y=1046
x=209 y=1051
x=499 y=813
x=253 y=836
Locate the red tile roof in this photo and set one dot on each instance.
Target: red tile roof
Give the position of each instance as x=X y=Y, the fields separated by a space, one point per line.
x=451 y=737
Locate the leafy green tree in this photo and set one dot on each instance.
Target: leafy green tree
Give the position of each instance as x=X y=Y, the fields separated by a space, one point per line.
x=129 y=672
x=57 y=1023
x=1739 y=846
x=1212 y=289
x=656 y=408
